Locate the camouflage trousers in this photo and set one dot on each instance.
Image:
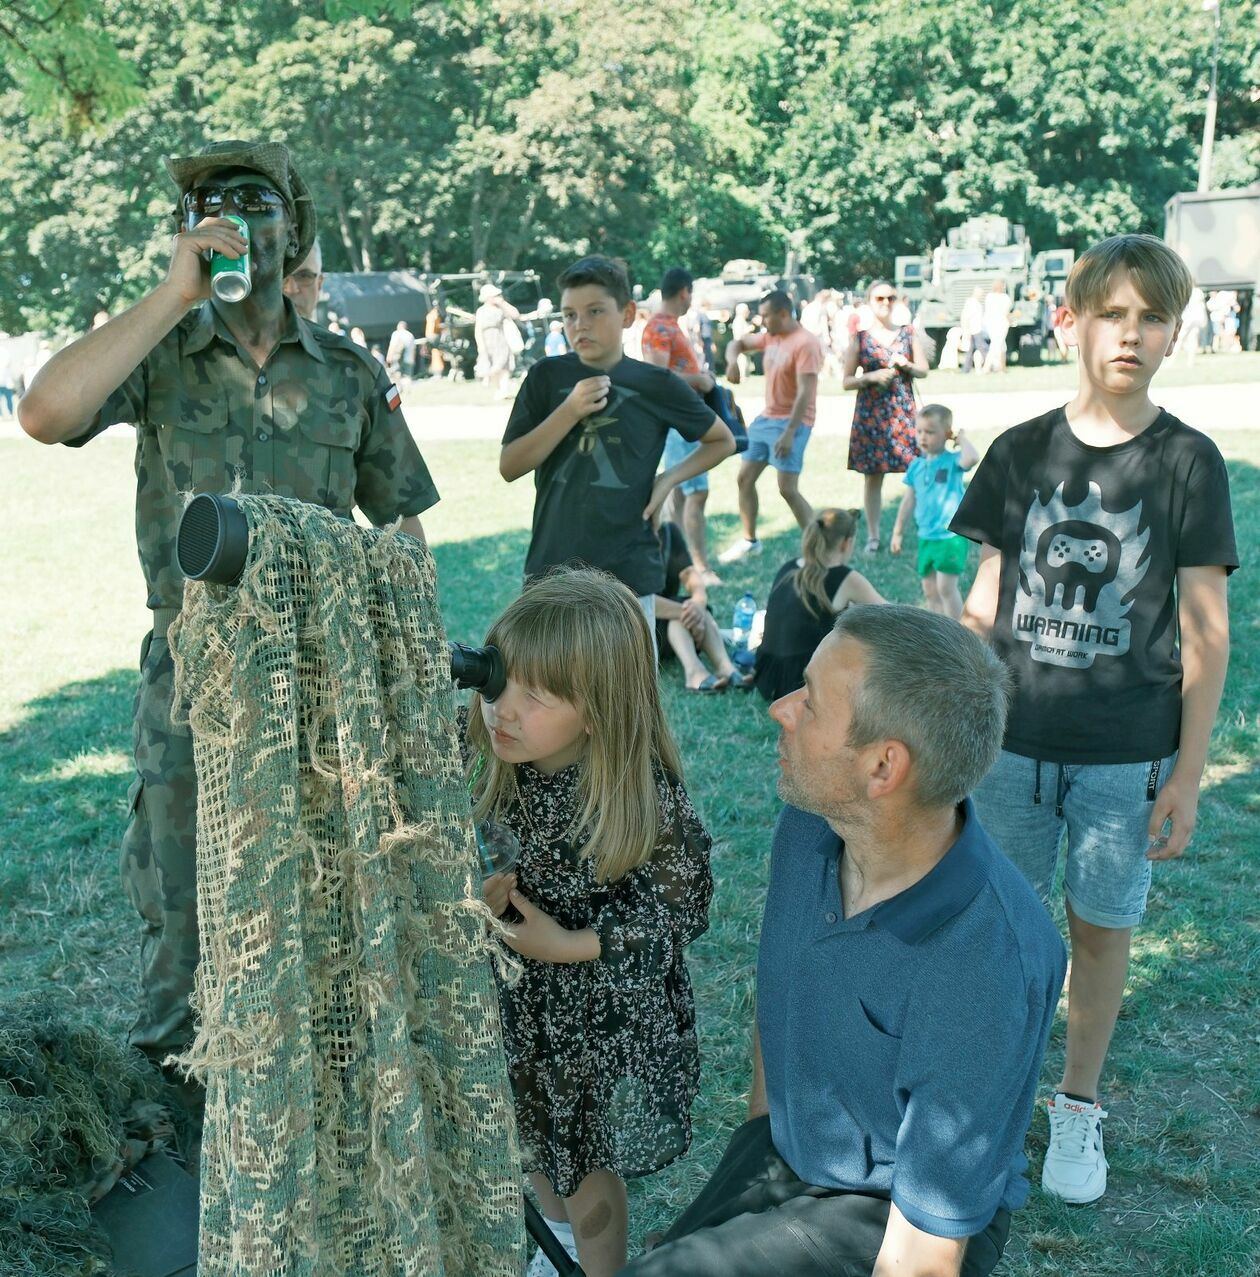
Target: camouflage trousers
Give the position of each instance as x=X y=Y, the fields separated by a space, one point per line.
x=159 y=859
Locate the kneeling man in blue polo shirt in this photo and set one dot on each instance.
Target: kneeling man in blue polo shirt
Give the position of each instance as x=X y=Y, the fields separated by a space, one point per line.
x=906 y=983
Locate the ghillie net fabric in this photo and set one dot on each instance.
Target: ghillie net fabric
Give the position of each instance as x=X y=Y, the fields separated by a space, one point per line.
x=358 y=1115
x=77 y=1109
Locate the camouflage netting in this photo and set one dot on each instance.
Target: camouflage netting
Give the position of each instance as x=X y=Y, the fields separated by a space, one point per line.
x=77 y=1109
x=358 y=1116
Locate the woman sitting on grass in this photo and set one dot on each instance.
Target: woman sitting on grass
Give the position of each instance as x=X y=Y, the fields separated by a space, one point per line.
x=807 y=595
x=685 y=627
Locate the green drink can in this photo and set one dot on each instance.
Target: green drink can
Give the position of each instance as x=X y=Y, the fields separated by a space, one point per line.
x=229 y=277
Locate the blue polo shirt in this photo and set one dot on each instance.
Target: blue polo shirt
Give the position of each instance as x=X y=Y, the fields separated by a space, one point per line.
x=938 y=492
x=902 y=1045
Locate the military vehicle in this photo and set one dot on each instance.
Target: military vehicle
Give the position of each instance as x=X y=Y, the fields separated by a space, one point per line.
x=376 y=300
x=744 y=280
x=1218 y=235
x=984 y=249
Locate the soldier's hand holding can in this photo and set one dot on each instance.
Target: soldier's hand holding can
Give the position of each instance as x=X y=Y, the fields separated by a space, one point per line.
x=189 y=271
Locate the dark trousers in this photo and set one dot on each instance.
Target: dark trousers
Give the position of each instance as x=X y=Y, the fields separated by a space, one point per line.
x=755 y=1217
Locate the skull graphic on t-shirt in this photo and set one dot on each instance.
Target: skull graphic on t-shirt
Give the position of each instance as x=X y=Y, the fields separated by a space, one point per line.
x=1078 y=568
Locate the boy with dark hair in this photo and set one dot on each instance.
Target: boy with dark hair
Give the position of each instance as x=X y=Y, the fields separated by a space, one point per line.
x=591 y=425
x=1106 y=540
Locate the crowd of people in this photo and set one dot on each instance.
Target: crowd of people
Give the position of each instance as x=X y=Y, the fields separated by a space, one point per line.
x=932 y=760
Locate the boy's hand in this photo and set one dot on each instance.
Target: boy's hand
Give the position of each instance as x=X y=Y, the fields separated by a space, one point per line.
x=1177 y=803
x=661 y=488
x=732 y=372
x=783 y=444
x=589 y=395
x=495 y=891
x=894 y=546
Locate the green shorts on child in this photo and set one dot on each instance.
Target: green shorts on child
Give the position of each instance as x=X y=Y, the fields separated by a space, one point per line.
x=946 y=554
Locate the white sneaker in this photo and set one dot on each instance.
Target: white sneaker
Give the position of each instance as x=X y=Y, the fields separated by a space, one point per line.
x=740 y=550
x=540 y=1265
x=1075 y=1168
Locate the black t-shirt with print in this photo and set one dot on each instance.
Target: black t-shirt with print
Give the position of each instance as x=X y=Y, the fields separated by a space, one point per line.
x=592 y=489
x=1091 y=539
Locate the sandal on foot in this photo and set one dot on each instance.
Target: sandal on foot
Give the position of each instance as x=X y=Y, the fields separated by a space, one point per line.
x=872 y=545
x=741 y=680
x=712 y=683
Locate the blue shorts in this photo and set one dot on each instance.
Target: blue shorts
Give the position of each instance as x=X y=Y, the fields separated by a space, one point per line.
x=764 y=433
x=679 y=449
x=1104 y=808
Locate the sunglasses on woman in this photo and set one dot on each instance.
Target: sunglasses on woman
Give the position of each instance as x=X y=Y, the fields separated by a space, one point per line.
x=884 y=297
x=250 y=197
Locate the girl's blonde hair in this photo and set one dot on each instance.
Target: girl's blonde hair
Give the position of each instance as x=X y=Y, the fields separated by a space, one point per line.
x=581 y=635
x=825 y=533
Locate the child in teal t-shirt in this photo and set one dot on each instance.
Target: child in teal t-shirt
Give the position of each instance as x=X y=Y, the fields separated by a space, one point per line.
x=934 y=491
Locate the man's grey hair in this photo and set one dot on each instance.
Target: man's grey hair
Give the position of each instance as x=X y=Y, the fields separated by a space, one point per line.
x=935 y=687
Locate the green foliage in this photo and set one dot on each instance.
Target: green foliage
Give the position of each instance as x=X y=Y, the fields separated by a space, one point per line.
x=457 y=133
x=63 y=58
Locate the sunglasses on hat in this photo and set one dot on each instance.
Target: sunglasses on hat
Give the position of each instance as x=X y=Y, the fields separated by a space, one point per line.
x=249 y=197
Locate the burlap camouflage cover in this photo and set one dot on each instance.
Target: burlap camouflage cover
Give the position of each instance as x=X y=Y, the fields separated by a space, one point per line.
x=358 y=1115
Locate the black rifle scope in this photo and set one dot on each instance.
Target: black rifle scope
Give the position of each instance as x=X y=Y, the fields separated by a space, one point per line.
x=213 y=544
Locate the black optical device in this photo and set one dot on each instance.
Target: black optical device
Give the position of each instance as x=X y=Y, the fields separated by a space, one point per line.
x=480 y=668
x=213 y=540
x=213 y=544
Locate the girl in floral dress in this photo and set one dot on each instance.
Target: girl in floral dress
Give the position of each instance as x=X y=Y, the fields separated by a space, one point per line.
x=576 y=758
x=881 y=365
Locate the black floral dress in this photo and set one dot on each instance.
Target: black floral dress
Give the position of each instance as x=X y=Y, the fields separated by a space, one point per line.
x=603 y=1055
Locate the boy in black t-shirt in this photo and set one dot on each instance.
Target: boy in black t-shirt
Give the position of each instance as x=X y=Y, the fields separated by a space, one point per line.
x=1106 y=537
x=592 y=426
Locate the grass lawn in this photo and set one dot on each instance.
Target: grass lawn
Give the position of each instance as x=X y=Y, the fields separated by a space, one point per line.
x=1207 y=370
x=1182 y=1084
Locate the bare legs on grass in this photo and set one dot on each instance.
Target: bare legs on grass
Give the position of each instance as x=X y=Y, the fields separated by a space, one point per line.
x=872 y=504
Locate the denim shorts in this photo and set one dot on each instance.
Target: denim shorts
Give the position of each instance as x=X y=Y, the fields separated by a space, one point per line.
x=679 y=449
x=1026 y=806
x=764 y=433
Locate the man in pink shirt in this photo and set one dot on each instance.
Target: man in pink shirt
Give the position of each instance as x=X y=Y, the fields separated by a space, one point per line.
x=665 y=344
x=793 y=359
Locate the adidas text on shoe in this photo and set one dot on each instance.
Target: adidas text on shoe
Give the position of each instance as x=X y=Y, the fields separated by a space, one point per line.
x=1075 y=1169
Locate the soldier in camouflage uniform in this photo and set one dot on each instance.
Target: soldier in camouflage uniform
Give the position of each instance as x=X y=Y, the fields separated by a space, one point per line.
x=219 y=393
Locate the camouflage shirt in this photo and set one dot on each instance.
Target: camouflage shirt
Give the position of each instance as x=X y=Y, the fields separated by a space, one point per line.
x=320 y=422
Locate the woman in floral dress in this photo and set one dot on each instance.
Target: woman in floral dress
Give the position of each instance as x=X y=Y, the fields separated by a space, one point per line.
x=882 y=365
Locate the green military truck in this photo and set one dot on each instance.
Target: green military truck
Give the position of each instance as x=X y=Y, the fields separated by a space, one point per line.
x=984 y=249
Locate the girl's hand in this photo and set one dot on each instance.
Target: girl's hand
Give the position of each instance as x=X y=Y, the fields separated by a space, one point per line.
x=539 y=936
x=495 y=891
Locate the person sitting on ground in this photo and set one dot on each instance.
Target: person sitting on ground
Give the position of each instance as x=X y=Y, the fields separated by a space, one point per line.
x=907 y=980
x=685 y=627
x=934 y=491
x=807 y=595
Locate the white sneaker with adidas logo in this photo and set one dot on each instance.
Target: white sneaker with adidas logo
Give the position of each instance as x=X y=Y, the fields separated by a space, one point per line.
x=1075 y=1168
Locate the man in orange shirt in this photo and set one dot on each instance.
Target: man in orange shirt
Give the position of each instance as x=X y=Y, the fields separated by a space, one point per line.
x=793 y=359
x=665 y=344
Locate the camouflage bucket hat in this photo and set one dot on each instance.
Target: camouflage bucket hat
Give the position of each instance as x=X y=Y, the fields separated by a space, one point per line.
x=271 y=159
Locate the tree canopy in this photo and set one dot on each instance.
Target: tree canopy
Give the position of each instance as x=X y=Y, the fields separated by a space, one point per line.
x=522 y=133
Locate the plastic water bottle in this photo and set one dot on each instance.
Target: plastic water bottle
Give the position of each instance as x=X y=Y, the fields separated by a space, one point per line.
x=742 y=619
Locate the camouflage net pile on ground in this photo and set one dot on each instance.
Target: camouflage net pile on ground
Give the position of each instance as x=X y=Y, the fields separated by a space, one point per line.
x=77 y=1109
x=358 y=1115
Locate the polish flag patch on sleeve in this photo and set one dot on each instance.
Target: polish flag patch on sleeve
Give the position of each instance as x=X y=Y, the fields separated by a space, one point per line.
x=393 y=400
